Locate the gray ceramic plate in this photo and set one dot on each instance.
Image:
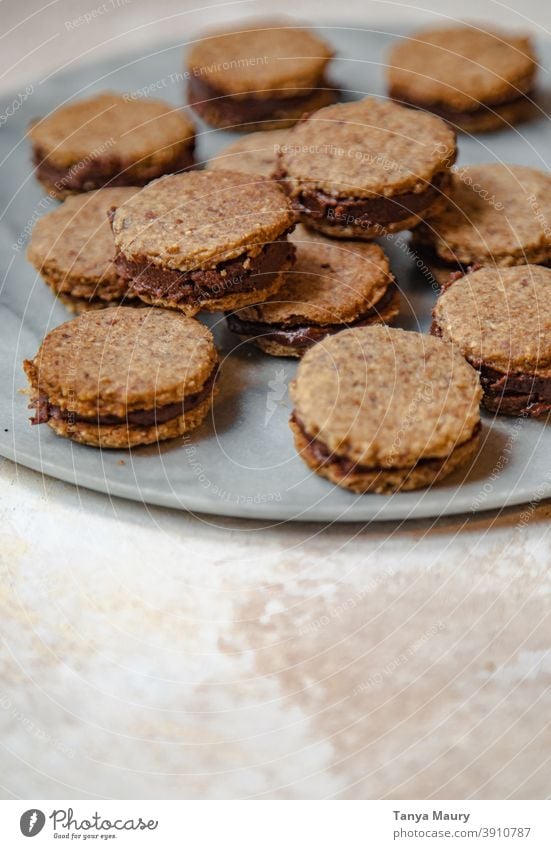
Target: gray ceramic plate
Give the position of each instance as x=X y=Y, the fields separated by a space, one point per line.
x=242 y=461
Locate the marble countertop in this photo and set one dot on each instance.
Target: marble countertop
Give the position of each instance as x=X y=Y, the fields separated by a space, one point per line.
x=150 y=653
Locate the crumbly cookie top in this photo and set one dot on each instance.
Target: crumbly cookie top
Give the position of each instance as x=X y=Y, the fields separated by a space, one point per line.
x=331 y=282
x=386 y=397
x=255 y=153
x=112 y=126
x=369 y=148
x=259 y=58
x=497 y=213
x=76 y=239
x=123 y=359
x=199 y=219
x=461 y=67
x=500 y=317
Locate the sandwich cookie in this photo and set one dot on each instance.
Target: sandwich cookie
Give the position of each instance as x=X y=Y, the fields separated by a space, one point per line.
x=72 y=248
x=378 y=409
x=212 y=240
x=497 y=215
x=255 y=153
x=110 y=140
x=122 y=377
x=362 y=169
x=476 y=80
x=263 y=76
x=500 y=320
x=333 y=285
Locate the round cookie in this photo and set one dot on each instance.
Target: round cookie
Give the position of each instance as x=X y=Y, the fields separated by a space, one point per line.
x=212 y=240
x=264 y=76
x=500 y=320
x=333 y=285
x=73 y=249
x=475 y=79
x=497 y=214
x=362 y=169
x=255 y=153
x=121 y=377
x=378 y=409
x=110 y=139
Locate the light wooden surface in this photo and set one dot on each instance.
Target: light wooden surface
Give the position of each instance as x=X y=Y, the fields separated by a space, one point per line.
x=149 y=653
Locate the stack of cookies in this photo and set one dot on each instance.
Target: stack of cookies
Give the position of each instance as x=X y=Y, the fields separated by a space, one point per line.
x=277 y=233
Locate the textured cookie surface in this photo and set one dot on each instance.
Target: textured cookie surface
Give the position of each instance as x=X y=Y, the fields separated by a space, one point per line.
x=110 y=126
x=461 y=67
x=500 y=317
x=73 y=246
x=386 y=398
x=259 y=58
x=253 y=154
x=497 y=214
x=201 y=219
x=122 y=359
x=369 y=148
x=330 y=282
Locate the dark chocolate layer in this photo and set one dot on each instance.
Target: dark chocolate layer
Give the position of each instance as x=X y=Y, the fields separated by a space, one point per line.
x=368 y=212
x=511 y=393
x=109 y=171
x=324 y=456
x=139 y=418
x=431 y=258
x=200 y=285
x=516 y=392
x=456 y=116
x=243 y=110
x=299 y=337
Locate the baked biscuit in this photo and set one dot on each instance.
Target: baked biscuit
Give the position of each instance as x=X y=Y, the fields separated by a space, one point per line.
x=212 y=240
x=263 y=76
x=500 y=320
x=378 y=409
x=333 y=285
x=477 y=80
x=110 y=139
x=121 y=377
x=73 y=249
x=363 y=169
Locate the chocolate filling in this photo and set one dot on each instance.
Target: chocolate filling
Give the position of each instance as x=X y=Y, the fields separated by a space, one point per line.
x=516 y=392
x=324 y=456
x=138 y=418
x=456 y=116
x=511 y=392
x=431 y=258
x=204 y=284
x=368 y=212
x=302 y=336
x=237 y=110
x=109 y=171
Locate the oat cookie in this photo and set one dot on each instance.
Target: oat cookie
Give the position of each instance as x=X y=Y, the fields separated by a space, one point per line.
x=333 y=285
x=121 y=377
x=110 y=139
x=73 y=249
x=378 y=409
x=255 y=153
x=500 y=320
x=362 y=169
x=497 y=215
x=478 y=80
x=204 y=240
x=262 y=76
